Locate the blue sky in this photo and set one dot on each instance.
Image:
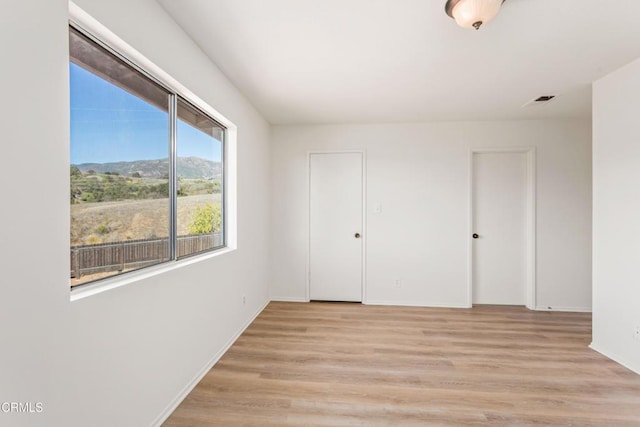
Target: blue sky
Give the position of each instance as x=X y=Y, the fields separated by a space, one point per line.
x=108 y=124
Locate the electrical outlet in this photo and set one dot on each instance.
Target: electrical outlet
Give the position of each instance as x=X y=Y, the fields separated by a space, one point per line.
x=244 y=300
x=397 y=283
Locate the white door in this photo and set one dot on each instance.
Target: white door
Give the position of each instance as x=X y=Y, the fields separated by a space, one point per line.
x=499 y=227
x=335 y=258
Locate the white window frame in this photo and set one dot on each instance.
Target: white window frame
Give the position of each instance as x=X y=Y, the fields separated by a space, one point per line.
x=85 y=23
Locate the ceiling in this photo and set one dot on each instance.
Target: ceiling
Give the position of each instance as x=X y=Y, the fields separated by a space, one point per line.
x=363 y=61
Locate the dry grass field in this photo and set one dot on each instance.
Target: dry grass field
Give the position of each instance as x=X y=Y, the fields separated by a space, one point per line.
x=131 y=219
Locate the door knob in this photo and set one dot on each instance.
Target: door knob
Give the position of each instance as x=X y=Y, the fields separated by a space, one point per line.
x=357 y=235
x=475 y=236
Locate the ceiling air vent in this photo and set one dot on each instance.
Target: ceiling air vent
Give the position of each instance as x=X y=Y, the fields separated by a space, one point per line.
x=541 y=100
x=544 y=98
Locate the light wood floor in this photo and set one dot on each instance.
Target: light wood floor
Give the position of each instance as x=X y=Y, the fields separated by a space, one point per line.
x=351 y=364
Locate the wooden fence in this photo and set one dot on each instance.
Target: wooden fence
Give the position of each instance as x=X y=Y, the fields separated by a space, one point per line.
x=133 y=254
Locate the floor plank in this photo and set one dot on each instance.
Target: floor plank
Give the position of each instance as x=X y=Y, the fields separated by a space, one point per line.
x=336 y=364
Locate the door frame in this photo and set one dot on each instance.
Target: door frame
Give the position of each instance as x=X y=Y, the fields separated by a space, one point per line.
x=530 y=224
x=363 y=232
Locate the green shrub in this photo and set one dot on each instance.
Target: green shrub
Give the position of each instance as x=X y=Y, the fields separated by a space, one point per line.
x=206 y=219
x=103 y=228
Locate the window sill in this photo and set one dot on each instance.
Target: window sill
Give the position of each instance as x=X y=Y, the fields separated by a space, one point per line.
x=84 y=291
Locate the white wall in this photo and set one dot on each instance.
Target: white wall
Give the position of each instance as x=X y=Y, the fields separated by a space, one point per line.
x=420 y=174
x=118 y=358
x=616 y=215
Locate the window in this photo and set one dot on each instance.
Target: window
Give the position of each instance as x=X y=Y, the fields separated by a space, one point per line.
x=147 y=169
x=200 y=149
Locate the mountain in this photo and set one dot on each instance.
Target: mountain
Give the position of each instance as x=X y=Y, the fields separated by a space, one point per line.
x=188 y=167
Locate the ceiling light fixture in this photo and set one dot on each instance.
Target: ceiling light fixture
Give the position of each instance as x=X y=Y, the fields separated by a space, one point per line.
x=472 y=13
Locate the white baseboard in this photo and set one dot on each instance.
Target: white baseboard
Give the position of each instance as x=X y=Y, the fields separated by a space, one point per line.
x=568 y=309
x=288 y=299
x=632 y=367
x=194 y=382
x=412 y=304
x=429 y=305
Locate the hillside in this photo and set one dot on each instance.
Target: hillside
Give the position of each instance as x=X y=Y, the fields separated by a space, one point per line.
x=188 y=167
x=132 y=219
